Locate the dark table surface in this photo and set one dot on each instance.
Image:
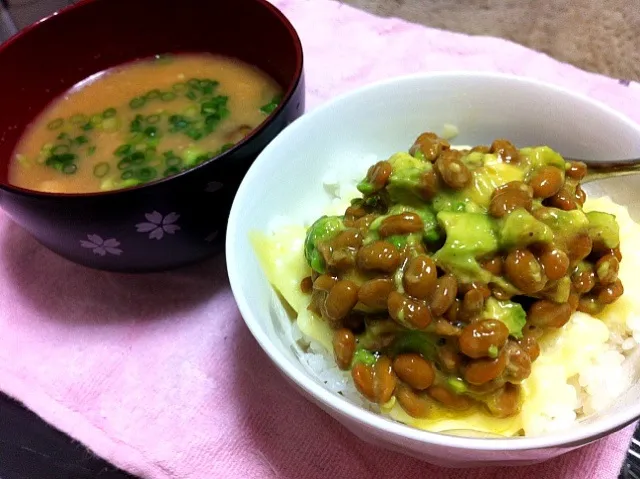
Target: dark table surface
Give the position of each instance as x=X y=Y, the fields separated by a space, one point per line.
x=29 y=447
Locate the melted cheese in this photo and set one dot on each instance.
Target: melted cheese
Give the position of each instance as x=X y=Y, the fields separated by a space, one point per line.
x=563 y=352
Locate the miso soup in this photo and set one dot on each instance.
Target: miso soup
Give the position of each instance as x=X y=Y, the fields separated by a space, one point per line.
x=142 y=122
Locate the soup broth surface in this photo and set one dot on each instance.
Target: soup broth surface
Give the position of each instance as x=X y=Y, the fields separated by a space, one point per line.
x=141 y=122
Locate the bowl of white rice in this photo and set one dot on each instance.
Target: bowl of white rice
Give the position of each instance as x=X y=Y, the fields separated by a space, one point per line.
x=584 y=384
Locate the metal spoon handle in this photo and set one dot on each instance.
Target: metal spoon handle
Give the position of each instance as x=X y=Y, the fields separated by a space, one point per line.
x=599 y=170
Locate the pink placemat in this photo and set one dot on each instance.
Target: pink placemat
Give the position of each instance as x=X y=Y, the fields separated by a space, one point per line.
x=158 y=373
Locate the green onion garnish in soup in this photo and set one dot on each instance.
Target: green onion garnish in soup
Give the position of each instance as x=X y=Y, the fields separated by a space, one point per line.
x=272 y=105
x=155 y=118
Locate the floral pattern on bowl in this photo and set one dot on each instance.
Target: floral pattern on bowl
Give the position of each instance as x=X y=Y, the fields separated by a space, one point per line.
x=101 y=246
x=157 y=225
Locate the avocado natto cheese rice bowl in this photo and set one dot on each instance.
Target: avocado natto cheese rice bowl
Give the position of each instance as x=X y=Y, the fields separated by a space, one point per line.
x=580 y=368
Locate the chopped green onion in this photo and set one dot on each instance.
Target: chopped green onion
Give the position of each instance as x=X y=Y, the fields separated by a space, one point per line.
x=78 y=119
x=138 y=158
x=194 y=134
x=110 y=124
x=191 y=95
x=129 y=183
x=126 y=175
x=151 y=119
x=268 y=108
x=69 y=169
x=62 y=136
x=81 y=140
x=109 y=113
x=220 y=114
x=153 y=94
x=151 y=131
x=194 y=83
x=137 y=102
x=179 y=87
x=172 y=170
x=96 y=120
x=101 y=169
x=52 y=161
x=168 y=96
x=272 y=105
x=173 y=161
x=91 y=150
x=122 y=150
x=225 y=147
x=211 y=120
x=55 y=124
x=146 y=174
x=191 y=111
x=108 y=184
x=207 y=86
x=59 y=149
x=87 y=126
x=219 y=101
x=136 y=124
x=58 y=161
x=208 y=107
x=124 y=163
x=136 y=138
x=191 y=154
x=178 y=122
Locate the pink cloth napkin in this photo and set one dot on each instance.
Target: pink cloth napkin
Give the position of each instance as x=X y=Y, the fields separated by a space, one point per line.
x=159 y=375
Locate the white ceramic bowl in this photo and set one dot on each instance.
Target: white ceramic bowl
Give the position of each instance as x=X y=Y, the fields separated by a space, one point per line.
x=381 y=119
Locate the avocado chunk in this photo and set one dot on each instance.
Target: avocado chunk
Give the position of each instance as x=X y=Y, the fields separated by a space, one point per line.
x=404 y=181
x=445 y=201
x=489 y=176
x=431 y=231
x=558 y=291
x=604 y=229
x=468 y=236
x=399 y=241
x=457 y=385
x=324 y=229
x=403 y=161
x=564 y=223
x=419 y=342
x=543 y=156
x=510 y=313
x=520 y=229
